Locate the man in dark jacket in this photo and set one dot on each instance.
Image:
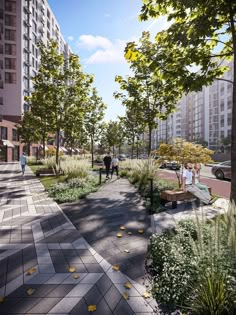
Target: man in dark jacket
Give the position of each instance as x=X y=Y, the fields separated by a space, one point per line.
x=107 y=163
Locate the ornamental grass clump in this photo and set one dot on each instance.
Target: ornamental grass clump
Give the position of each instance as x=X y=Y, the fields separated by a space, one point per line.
x=194 y=265
x=73 y=167
x=49 y=162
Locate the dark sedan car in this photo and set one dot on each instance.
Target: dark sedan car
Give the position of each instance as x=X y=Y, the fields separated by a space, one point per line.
x=222 y=170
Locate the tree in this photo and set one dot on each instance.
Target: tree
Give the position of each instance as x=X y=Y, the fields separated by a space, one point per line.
x=201 y=34
x=60 y=93
x=146 y=88
x=93 y=119
x=183 y=152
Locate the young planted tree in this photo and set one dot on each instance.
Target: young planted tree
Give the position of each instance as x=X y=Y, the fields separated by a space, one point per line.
x=132 y=127
x=201 y=34
x=146 y=86
x=93 y=119
x=183 y=152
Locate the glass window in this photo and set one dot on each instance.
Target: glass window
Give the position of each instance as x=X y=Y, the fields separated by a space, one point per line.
x=10 y=63
x=10 y=77
x=3 y=133
x=10 y=20
x=10 y=34
x=15 y=136
x=10 y=6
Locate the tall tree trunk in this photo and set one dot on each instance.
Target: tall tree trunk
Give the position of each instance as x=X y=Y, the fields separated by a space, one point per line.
x=137 y=149
x=233 y=135
x=119 y=150
x=132 y=148
x=92 y=155
x=44 y=151
x=113 y=149
x=58 y=145
x=149 y=140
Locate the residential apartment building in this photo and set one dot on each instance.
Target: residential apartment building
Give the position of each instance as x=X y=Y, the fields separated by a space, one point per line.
x=22 y=24
x=203 y=117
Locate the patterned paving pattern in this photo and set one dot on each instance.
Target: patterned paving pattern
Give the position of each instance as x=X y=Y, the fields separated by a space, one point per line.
x=38 y=245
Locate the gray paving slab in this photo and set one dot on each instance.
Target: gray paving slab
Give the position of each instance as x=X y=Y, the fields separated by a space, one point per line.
x=38 y=250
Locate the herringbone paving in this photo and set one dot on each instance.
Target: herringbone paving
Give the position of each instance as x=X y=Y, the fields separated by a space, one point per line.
x=46 y=266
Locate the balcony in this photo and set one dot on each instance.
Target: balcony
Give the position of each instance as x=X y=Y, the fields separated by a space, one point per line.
x=27 y=9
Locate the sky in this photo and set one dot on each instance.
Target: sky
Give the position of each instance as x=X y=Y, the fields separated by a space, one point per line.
x=97 y=31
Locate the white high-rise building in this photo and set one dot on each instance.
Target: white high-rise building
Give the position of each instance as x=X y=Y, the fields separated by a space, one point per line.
x=22 y=24
x=203 y=117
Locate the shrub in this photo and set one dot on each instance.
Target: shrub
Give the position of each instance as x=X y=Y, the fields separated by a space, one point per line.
x=194 y=265
x=73 y=189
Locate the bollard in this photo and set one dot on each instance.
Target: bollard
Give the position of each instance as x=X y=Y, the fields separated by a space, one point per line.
x=100 y=176
x=151 y=191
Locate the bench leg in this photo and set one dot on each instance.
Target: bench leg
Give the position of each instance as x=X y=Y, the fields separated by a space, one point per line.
x=163 y=202
x=174 y=204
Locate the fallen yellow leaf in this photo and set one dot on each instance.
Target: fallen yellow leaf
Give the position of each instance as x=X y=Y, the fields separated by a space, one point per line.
x=125 y=295
x=116 y=267
x=128 y=285
x=122 y=228
x=130 y=233
x=92 y=308
x=71 y=269
x=31 y=271
x=30 y=291
x=140 y=231
x=2 y=299
x=146 y=295
x=76 y=276
x=119 y=235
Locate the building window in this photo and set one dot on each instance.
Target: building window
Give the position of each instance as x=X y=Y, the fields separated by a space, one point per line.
x=3 y=133
x=34 y=27
x=10 y=63
x=10 y=49
x=26 y=83
x=1 y=100
x=1 y=49
x=229 y=119
x=1 y=14
x=222 y=121
x=10 y=6
x=15 y=136
x=222 y=105
x=10 y=20
x=229 y=103
x=10 y=77
x=10 y=34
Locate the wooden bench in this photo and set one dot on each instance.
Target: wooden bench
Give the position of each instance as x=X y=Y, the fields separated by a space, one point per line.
x=47 y=171
x=176 y=195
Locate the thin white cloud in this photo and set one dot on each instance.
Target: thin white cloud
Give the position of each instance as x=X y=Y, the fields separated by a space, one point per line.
x=91 y=42
x=113 y=54
x=70 y=38
x=107 y=15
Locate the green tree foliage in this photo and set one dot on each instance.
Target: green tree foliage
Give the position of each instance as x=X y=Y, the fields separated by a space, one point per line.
x=183 y=152
x=60 y=93
x=200 y=34
x=146 y=88
x=93 y=119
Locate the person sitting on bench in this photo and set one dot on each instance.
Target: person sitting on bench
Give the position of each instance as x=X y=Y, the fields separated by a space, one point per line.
x=188 y=185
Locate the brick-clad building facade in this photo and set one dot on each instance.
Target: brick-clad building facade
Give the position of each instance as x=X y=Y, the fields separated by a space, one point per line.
x=10 y=146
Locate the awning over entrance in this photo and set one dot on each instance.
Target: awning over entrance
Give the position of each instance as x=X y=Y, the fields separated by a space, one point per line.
x=8 y=143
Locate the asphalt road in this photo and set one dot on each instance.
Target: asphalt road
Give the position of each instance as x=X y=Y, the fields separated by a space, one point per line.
x=219 y=187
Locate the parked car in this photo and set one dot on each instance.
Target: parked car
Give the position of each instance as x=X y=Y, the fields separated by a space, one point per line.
x=143 y=156
x=222 y=170
x=171 y=165
x=121 y=157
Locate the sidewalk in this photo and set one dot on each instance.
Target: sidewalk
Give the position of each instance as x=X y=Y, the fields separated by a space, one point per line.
x=47 y=266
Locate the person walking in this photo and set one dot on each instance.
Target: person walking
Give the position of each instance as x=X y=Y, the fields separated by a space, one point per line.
x=23 y=162
x=107 y=164
x=188 y=185
x=115 y=165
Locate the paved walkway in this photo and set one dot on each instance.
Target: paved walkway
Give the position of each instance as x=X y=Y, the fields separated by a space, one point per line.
x=47 y=267
x=99 y=217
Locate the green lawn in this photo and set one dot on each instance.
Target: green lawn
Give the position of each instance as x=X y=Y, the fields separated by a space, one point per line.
x=49 y=180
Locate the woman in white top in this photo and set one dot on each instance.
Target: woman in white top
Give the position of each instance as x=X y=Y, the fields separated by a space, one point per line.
x=115 y=165
x=196 y=172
